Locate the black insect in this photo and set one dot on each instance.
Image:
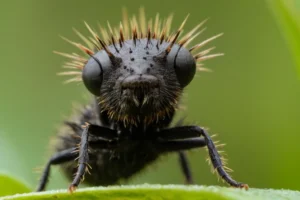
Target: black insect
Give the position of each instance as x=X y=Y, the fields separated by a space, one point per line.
x=137 y=77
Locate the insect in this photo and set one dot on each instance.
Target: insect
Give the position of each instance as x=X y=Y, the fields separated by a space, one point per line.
x=137 y=73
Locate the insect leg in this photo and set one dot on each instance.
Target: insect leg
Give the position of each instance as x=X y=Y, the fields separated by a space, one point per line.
x=185 y=167
x=180 y=145
x=105 y=135
x=176 y=133
x=58 y=158
x=182 y=140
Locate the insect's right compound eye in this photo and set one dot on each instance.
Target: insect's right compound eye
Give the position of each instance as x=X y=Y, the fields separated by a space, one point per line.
x=92 y=73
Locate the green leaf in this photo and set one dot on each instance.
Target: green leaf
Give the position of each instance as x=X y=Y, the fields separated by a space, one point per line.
x=162 y=192
x=10 y=186
x=288 y=18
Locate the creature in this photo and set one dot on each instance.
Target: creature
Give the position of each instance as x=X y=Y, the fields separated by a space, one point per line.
x=137 y=74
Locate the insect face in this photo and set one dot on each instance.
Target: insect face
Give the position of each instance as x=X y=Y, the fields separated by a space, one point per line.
x=140 y=80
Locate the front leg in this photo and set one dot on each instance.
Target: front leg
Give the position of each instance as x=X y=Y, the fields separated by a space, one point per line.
x=187 y=137
x=104 y=136
x=59 y=158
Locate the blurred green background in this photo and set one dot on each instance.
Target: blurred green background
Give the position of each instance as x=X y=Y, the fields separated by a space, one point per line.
x=251 y=99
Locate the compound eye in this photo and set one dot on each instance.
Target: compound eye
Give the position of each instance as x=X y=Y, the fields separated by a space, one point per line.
x=184 y=64
x=92 y=73
x=185 y=67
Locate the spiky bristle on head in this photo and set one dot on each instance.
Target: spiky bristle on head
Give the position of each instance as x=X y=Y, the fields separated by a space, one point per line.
x=138 y=70
x=133 y=29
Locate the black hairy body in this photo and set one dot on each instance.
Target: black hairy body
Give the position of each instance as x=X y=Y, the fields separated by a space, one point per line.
x=137 y=80
x=107 y=167
x=136 y=120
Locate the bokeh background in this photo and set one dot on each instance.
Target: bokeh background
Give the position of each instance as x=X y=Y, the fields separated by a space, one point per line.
x=251 y=99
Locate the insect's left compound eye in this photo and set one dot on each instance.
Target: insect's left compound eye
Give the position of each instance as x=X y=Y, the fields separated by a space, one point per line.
x=184 y=65
x=92 y=73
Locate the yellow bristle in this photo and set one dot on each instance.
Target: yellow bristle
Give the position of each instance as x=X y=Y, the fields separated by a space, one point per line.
x=134 y=28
